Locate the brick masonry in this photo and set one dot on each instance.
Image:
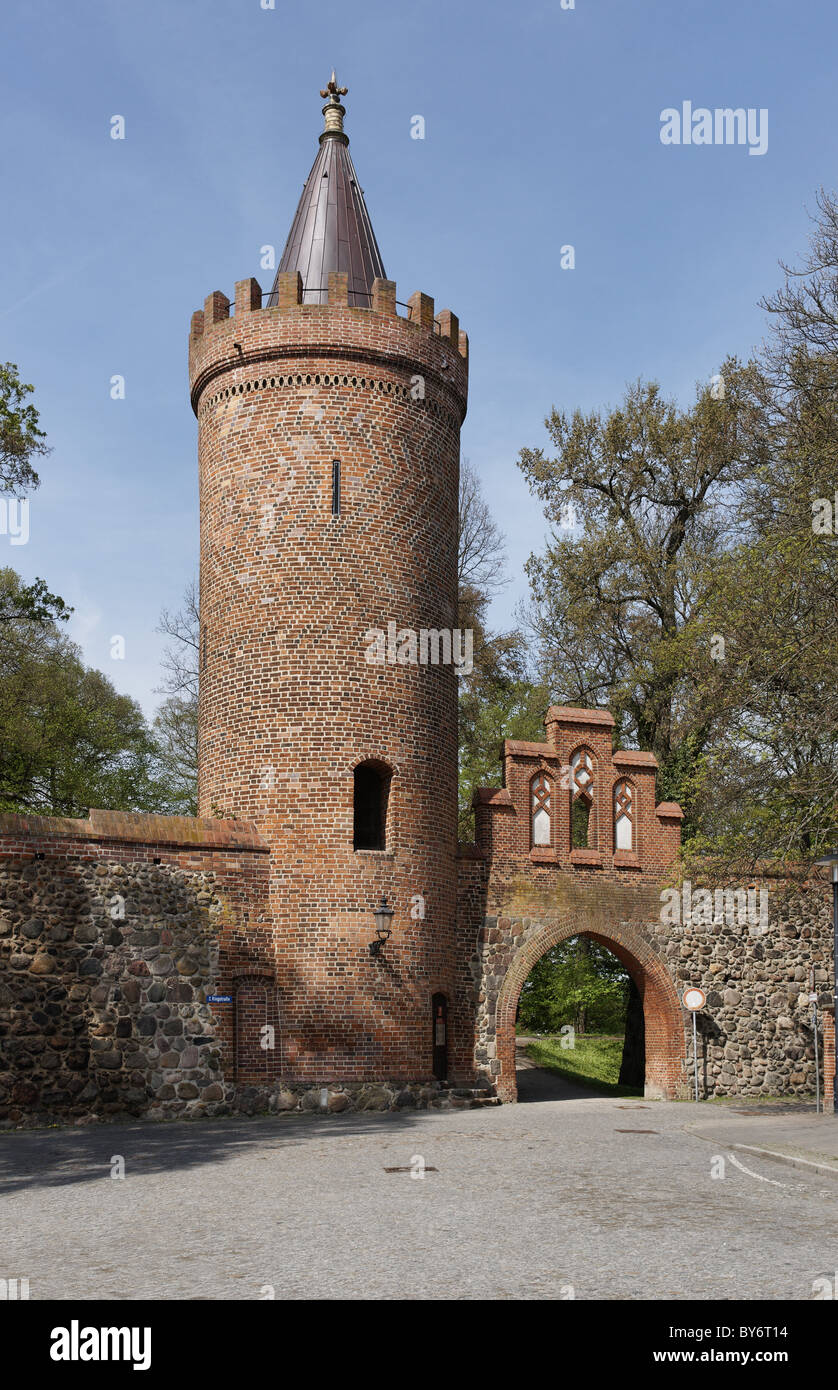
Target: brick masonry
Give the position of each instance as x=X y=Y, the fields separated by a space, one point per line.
x=518 y=899
x=290 y=704
x=116 y=931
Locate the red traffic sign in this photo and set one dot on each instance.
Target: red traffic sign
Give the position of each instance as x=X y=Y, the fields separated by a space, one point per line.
x=693 y=999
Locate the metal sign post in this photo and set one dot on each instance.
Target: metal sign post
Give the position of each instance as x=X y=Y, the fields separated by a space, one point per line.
x=813 y=1000
x=694 y=999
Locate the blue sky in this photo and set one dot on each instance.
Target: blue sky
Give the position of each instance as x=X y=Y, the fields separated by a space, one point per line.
x=541 y=129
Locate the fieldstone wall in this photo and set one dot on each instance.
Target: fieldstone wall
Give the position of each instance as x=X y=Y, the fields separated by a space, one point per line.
x=755 y=1033
x=104 y=972
x=110 y=949
x=335 y=1098
x=106 y=966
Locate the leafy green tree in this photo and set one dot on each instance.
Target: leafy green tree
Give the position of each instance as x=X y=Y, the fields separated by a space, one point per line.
x=31 y=603
x=577 y=982
x=21 y=441
x=175 y=733
x=699 y=598
x=771 y=786
x=508 y=706
x=497 y=700
x=21 y=438
x=616 y=605
x=68 y=739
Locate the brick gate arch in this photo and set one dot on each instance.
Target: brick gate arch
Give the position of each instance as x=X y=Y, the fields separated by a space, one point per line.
x=662 y=1011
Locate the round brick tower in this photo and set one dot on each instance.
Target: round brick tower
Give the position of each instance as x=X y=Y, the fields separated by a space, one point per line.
x=329 y=426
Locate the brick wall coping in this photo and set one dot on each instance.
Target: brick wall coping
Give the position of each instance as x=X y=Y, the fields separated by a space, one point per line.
x=491 y=796
x=670 y=809
x=137 y=827
x=467 y=849
x=528 y=750
x=632 y=757
x=569 y=714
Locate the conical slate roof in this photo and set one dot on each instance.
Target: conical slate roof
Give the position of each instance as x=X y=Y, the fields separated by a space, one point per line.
x=331 y=228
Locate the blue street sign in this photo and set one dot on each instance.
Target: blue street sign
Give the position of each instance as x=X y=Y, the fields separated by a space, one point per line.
x=219 y=998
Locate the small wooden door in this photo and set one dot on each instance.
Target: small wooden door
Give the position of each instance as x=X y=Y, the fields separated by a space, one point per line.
x=440 y=1036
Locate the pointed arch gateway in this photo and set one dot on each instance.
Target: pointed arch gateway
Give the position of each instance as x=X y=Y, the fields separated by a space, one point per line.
x=662 y=1012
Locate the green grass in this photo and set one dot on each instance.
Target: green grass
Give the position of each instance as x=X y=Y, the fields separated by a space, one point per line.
x=594 y=1061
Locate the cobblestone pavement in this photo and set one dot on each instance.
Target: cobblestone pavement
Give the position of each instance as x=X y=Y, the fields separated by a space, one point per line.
x=527 y=1202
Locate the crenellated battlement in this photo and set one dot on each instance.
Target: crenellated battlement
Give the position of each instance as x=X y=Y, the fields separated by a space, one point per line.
x=226 y=334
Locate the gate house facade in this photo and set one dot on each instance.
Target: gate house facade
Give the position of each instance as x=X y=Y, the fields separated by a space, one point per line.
x=328 y=420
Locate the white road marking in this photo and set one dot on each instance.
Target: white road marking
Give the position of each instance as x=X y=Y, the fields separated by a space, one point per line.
x=743 y=1169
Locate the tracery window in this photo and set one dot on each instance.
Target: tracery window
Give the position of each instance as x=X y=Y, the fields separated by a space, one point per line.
x=540 y=809
x=582 y=817
x=624 y=816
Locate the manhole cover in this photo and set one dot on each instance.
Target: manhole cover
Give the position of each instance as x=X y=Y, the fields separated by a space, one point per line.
x=409 y=1169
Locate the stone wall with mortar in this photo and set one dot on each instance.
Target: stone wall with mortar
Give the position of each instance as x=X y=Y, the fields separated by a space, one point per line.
x=517 y=899
x=755 y=1033
x=114 y=933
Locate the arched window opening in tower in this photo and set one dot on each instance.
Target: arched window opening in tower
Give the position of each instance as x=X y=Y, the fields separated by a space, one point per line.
x=336 y=487
x=582 y=818
x=540 y=810
x=624 y=816
x=372 y=793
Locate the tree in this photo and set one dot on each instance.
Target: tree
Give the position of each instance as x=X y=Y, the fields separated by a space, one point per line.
x=21 y=438
x=175 y=731
x=176 y=722
x=509 y=706
x=698 y=600
x=68 y=739
x=481 y=562
x=30 y=603
x=805 y=310
x=577 y=982
x=772 y=785
x=180 y=660
x=497 y=700
x=617 y=610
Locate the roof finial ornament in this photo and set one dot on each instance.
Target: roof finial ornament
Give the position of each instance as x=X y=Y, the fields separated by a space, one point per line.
x=332 y=88
x=333 y=111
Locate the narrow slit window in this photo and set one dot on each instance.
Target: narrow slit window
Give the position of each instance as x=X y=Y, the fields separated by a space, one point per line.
x=371 y=794
x=336 y=487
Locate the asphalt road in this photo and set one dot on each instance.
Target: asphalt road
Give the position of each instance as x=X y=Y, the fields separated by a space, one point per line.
x=556 y=1199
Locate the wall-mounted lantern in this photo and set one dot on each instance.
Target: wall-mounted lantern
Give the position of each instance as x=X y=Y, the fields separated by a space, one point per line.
x=383 y=915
